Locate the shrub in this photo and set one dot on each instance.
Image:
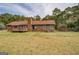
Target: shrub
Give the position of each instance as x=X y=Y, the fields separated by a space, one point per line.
x=76 y=29
x=2 y=26
x=71 y=26
x=62 y=27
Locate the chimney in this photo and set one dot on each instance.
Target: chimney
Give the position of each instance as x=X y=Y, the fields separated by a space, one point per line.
x=30 y=24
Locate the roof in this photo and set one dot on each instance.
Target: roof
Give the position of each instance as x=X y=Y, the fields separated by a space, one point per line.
x=41 y=22
x=18 y=23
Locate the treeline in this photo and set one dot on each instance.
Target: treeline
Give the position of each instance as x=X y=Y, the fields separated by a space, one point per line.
x=66 y=20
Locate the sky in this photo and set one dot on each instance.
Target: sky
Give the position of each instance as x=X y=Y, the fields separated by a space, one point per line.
x=32 y=9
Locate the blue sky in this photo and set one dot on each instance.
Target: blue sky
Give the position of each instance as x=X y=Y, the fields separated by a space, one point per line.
x=32 y=9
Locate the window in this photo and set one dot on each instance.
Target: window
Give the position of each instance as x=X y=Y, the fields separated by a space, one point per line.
x=15 y=26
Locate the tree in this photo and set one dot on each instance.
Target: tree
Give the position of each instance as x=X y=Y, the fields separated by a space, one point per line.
x=48 y=17
x=56 y=11
x=77 y=25
x=68 y=17
x=7 y=18
x=37 y=17
x=2 y=26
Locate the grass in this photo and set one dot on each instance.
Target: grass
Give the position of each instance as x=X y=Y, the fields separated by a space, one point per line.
x=35 y=43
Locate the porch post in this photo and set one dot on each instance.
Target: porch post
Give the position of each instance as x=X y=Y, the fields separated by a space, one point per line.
x=30 y=24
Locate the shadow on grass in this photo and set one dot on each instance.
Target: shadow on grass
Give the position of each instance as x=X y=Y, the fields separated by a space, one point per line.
x=3 y=53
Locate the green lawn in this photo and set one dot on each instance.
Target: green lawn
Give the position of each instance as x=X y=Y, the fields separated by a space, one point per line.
x=39 y=42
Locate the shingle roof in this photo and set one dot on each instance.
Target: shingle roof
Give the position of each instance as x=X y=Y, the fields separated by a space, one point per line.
x=41 y=22
x=18 y=23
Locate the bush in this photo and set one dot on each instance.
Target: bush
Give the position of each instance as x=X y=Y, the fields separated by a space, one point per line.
x=76 y=29
x=62 y=27
x=71 y=26
x=2 y=26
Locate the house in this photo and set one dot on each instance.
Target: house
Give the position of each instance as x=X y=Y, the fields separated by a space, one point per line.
x=30 y=25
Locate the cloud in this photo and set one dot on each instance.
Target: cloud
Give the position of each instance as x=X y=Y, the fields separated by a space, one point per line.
x=15 y=9
x=32 y=9
x=43 y=9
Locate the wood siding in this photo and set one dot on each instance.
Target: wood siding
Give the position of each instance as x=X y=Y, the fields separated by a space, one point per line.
x=17 y=28
x=46 y=28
